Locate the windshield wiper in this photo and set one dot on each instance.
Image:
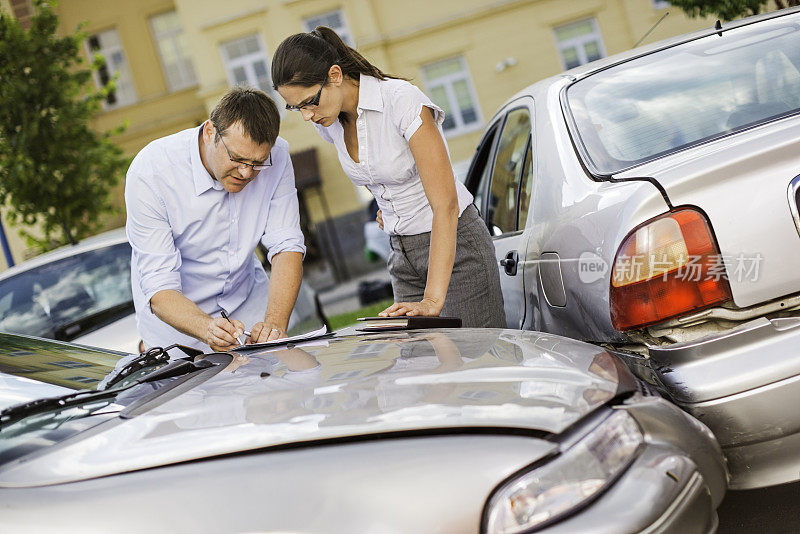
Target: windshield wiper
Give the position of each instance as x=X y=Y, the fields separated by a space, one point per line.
x=149 y=358
x=18 y=412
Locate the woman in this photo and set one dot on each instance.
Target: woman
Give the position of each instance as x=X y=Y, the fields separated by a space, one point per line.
x=389 y=138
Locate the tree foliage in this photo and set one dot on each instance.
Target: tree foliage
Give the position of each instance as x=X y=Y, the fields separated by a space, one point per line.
x=54 y=169
x=728 y=9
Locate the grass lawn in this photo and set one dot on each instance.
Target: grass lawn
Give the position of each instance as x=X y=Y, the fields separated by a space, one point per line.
x=349 y=318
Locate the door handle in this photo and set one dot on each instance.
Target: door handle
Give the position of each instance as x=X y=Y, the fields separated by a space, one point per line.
x=510 y=263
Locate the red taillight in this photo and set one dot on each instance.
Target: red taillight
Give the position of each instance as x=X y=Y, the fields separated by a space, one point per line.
x=667 y=267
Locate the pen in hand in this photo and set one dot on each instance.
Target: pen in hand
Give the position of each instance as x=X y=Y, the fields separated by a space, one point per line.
x=240 y=339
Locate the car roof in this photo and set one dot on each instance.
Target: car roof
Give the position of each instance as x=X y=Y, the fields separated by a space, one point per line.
x=105 y=239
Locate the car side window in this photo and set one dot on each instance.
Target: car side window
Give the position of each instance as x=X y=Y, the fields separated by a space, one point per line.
x=525 y=188
x=478 y=177
x=501 y=205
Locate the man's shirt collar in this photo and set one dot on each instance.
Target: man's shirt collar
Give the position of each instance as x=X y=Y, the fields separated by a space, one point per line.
x=202 y=179
x=369 y=93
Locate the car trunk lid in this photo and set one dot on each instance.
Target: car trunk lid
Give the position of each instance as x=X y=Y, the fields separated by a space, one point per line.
x=743 y=183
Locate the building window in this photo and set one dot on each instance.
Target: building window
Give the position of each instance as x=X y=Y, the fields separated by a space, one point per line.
x=579 y=42
x=333 y=20
x=247 y=64
x=107 y=44
x=450 y=86
x=173 y=50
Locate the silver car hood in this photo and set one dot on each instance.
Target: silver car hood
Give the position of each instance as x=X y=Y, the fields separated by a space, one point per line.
x=741 y=182
x=349 y=387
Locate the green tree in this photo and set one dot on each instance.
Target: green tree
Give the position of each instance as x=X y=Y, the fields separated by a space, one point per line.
x=54 y=169
x=728 y=9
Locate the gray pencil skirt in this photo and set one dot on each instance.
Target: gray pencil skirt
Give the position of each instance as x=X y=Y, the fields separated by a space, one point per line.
x=474 y=290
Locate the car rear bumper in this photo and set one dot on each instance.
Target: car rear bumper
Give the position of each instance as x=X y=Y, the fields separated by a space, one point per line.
x=758 y=432
x=764 y=463
x=744 y=385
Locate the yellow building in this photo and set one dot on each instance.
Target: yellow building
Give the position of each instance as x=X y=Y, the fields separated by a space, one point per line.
x=175 y=58
x=125 y=33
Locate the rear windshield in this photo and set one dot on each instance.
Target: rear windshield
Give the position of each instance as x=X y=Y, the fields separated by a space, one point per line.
x=688 y=94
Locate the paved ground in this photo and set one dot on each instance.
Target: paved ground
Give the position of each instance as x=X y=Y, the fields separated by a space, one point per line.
x=774 y=510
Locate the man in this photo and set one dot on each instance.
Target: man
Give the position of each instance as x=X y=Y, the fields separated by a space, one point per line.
x=199 y=201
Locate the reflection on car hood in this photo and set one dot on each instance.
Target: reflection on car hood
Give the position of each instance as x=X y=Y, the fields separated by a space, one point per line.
x=18 y=389
x=44 y=361
x=120 y=335
x=359 y=385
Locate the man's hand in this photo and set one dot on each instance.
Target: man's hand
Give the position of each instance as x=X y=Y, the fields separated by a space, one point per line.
x=379 y=219
x=221 y=334
x=182 y=314
x=427 y=307
x=264 y=331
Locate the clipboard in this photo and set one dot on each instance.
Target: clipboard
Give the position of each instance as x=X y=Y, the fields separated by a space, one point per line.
x=405 y=322
x=321 y=333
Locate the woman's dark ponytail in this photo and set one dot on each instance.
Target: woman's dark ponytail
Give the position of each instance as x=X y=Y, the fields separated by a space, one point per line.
x=352 y=62
x=305 y=58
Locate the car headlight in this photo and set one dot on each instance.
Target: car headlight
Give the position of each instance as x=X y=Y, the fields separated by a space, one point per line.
x=544 y=494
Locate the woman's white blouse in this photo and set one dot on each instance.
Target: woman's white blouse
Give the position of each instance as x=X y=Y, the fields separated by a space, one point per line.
x=388 y=115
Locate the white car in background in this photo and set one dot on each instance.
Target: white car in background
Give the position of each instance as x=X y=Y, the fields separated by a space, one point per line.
x=82 y=294
x=79 y=293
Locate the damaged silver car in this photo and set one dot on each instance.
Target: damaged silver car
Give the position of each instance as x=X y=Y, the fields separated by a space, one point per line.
x=459 y=430
x=648 y=202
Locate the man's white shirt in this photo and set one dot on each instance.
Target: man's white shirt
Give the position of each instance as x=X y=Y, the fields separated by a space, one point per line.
x=191 y=235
